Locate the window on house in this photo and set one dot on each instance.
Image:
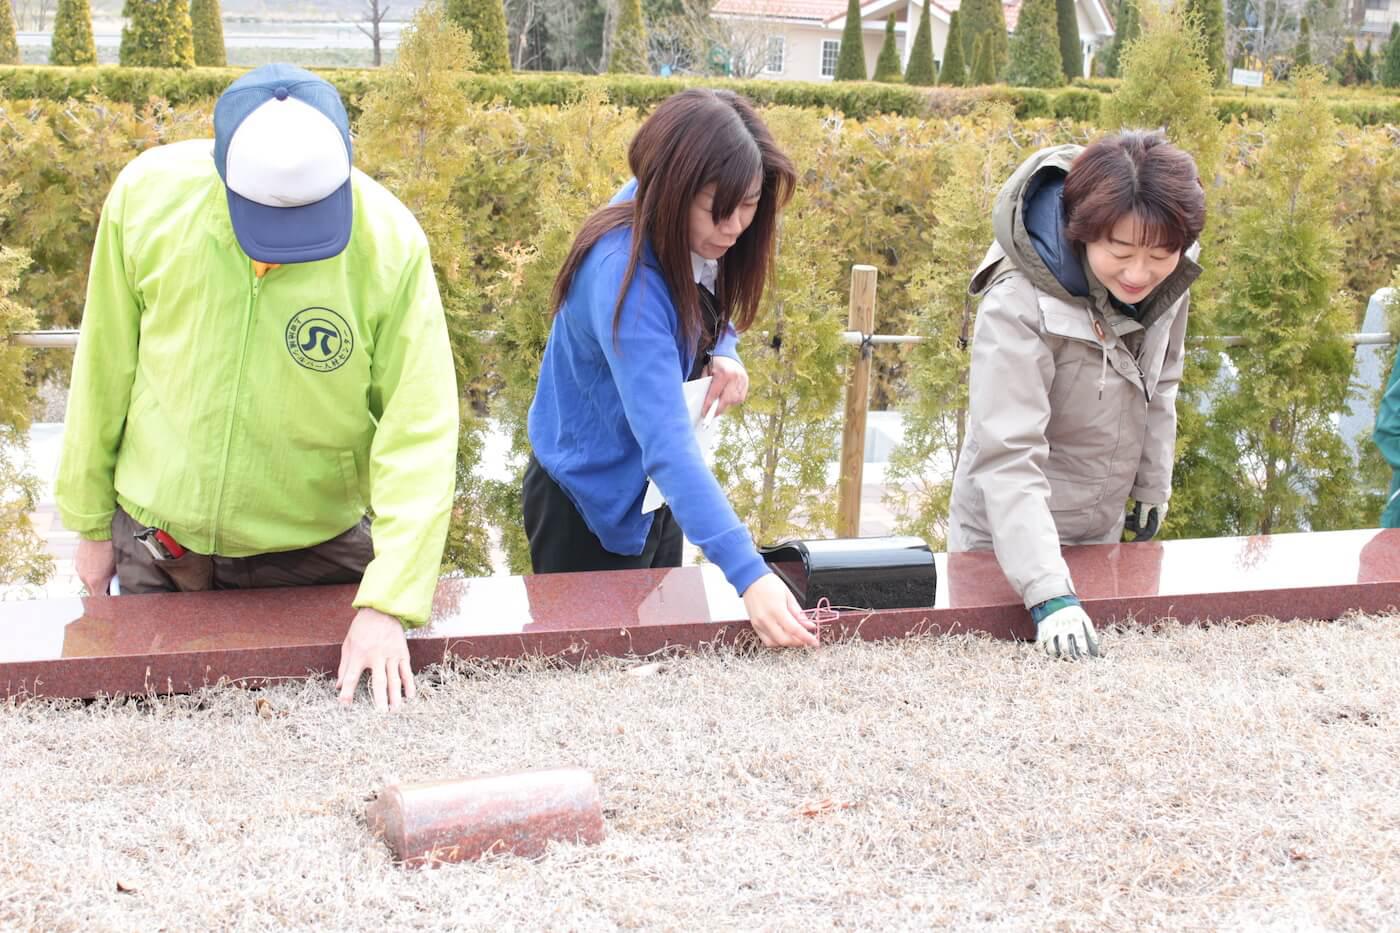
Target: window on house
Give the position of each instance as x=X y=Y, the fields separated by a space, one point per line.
x=831 y=50
x=777 y=47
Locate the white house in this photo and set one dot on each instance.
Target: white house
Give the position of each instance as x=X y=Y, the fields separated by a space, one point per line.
x=803 y=37
x=1376 y=20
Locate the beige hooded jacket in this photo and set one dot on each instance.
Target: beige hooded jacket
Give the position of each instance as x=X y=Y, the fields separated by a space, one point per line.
x=1072 y=403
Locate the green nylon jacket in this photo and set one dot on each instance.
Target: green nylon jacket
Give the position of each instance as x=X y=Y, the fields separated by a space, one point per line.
x=247 y=416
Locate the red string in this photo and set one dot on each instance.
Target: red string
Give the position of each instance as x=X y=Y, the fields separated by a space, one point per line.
x=823 y=612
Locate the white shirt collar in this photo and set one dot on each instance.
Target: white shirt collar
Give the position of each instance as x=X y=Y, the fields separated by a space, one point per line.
x=706 y=271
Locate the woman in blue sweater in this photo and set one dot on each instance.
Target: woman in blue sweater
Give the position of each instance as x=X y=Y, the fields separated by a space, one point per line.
x=650 y=296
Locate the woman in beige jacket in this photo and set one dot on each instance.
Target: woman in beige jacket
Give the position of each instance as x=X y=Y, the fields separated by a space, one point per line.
x=1076 y=356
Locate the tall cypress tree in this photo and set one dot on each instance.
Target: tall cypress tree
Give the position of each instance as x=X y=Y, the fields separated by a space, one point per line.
x=1166 y=83
x=985 y=17
x=1348 y=65
x=850 y=64
x=1367 y=72
x=954 y=71
x=1302 y=52
x=208 y=23
x=72 y=34
x=157 y=34
x=1129 y=27
x=1210 y=20
x=182 y=32
x=919 y=71
x=22 y=554
x=982 y=66
x=9 y=41
x=485 y=22
x=1071 y=54
x=629 y=44
x=1271 y=433
x=887 y=65
x=1035 y=48
x=1390 y=68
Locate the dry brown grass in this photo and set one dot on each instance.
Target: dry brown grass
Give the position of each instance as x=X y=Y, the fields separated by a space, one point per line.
x=1240 y=777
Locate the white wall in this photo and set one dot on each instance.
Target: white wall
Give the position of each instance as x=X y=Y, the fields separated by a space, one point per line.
x=803 y=58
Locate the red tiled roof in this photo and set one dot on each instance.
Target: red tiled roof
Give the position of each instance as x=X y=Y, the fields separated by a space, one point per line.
x=826 y=10
x=817 y=10
x=1011 y=9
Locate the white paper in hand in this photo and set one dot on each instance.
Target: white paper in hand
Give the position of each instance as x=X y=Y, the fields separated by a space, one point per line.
x=706 y=435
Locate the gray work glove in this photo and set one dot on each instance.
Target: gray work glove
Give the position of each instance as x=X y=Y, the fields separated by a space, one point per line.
x=1067 y=633
x=1144 y=520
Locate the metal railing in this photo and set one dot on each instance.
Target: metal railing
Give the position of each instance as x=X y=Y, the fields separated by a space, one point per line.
x=68 y=339
x=861 y=322
x=855 y=338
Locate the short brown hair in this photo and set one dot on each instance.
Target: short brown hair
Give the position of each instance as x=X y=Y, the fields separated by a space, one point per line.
x=1135 y=172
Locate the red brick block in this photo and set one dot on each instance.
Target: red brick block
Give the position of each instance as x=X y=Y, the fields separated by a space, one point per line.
x=459 y=820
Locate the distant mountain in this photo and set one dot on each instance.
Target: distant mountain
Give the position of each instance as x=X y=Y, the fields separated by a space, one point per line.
x=274 y=10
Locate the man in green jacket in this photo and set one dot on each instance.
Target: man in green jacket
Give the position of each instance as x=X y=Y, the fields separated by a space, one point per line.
x=263 y=359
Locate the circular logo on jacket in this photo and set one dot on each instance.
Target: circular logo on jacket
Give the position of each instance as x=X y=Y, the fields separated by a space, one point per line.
x=319 y=339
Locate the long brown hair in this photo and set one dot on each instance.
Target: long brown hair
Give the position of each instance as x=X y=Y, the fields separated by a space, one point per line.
x=698 y=137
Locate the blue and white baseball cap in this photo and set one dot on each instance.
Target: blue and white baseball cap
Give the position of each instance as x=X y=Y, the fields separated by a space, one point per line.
x=282 y=148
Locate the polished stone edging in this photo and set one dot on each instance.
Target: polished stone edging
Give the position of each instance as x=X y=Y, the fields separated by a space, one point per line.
x=179 y=642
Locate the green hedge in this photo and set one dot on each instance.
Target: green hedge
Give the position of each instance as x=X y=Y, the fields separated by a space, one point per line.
x=858 y=100
x=1355 y=112
x=1079 y=105
x=136 y=85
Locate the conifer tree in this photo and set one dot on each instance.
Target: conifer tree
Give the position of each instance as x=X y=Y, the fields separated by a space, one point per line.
x=1366 y=73
x=485 y=22
x=1035 y=48
x=1166 y=83
x=773 y=450
x=920 y=71
x=411 y=127
x=982 y=73
x=934 y=403
x=1302 y=51
x=1129 y=27
x=157 y=34
x=23 y=558
x=182 y=32
x=850 y=64
x=629 y=44
x=954 y=71
x=887 y=65
x=1271 y=445
x=1348 y=65
x=1067 y=25
x=985 y=17
x=9 y=41
x=208 y=23
x=72 y=42
x=1390 y=67
x=1210 y=21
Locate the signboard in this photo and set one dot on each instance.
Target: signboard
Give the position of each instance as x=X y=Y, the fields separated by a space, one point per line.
x=1245 y=78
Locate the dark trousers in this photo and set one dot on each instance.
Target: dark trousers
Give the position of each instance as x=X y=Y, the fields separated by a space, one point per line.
x=342 y=559
x=561 y=542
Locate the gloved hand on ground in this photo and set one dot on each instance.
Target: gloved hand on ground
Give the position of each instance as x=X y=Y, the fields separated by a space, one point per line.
x=1067 y=633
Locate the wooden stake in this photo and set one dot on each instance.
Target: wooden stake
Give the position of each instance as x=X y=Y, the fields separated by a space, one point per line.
x=862 y=319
